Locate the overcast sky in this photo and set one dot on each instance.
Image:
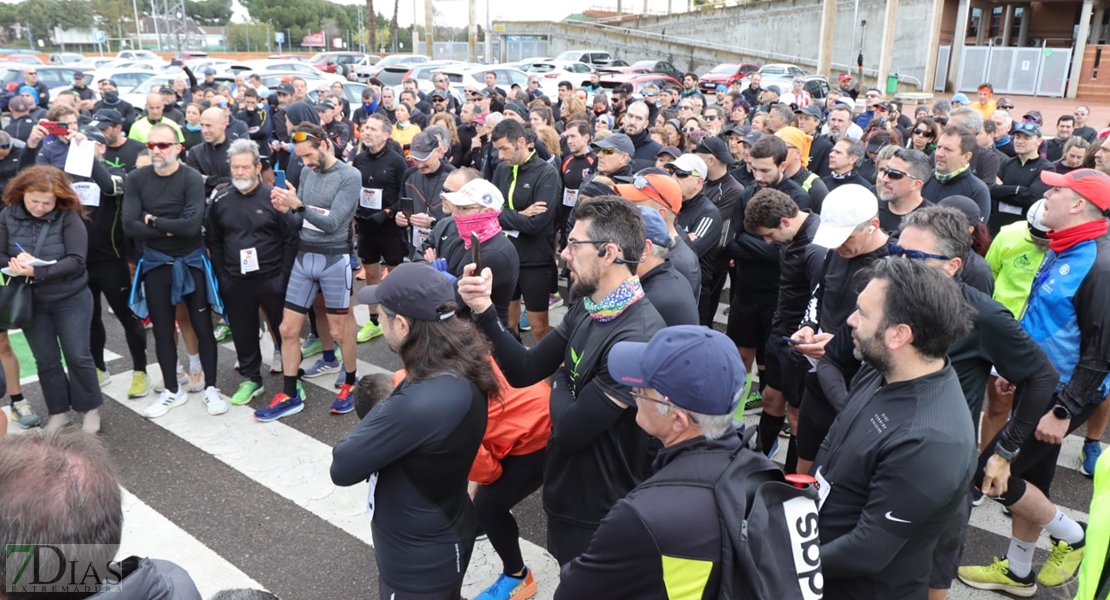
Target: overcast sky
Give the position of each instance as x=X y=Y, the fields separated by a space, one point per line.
x=455 y=12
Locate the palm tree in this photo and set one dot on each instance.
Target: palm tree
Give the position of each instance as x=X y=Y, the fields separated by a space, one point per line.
x=372 y=24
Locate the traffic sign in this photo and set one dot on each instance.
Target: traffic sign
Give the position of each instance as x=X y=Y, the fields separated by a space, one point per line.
x=100 y=37
x=279 y=37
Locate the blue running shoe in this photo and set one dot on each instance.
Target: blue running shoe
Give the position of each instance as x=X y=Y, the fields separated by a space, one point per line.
x=281 y=406
x=1089 y=457
x=524 y=325
x=510 y=588
x=322 y=367
x=344 y=401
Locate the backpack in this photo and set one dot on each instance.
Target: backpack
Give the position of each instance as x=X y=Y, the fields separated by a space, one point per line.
x=770 y=549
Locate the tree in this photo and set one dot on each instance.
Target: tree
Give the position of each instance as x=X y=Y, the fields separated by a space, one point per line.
x=246 y=36
x=393 y=27
x=209 y=12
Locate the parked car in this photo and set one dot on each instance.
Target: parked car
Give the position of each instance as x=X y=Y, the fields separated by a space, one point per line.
x=303 y=69
x=26 y=59
x=299 y=57
x=364 y=73
x=125 y=79
x=187 y=55
x=340 y=63
x=65 y=58
x=590 y=57
x=141 y=56
x=552 y=72
x=658 y=66
x=11 y=78
x=476 y=75
x=423 y=73
x=725 y=74
x=638 y=81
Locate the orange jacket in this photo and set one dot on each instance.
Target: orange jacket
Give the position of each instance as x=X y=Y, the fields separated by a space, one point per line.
x=519 y=423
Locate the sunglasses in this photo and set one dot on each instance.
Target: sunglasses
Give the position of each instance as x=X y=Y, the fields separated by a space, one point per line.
x=160 y=145
x=896 y=250
x=896 y=175
x=609 y=151
x=678 y=173
x=32 y=72
x=641 y=183
x=221 y=104
x=873 y=96
x=302 y=136
x=5 y=146
x=437 y=99
x=685 y=107
x=1078 y=114
x=710 y=117
x=1006 y=106
x=923 y=132
x=691 y=130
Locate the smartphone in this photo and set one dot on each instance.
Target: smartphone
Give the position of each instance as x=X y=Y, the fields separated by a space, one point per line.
x=279 y=179
x=791 y=341
x=55 y=128
x=476 y=249
x=406 y=207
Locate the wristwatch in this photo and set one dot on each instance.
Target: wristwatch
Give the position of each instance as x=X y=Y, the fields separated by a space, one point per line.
x=1061 y=413
x=1004 y=453
x=299 y=209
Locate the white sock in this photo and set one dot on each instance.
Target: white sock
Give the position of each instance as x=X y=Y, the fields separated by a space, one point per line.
x=194 y=362
x=1063 y=528
x=181 y=369
x=92 y=421
x=1020 y=556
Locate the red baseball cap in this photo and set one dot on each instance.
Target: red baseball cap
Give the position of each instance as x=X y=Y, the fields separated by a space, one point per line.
x=655 y=187
x=1093 y=185
x=844 y=77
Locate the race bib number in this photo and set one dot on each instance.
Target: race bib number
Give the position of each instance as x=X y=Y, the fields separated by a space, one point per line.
x=1009 y=209
x=823 y=488
x=248 y=260
x=512 y=233
x=570 y=197
x=370 y=198
x=319 y=211
x=419 y=234
x=87 y=192
x=370 y=503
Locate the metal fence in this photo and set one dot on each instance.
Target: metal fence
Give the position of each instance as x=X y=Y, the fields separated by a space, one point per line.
x=1019 y=71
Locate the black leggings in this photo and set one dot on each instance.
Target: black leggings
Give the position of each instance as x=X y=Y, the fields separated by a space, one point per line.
x=158 y=283
x=113 y=279
x=520 y=476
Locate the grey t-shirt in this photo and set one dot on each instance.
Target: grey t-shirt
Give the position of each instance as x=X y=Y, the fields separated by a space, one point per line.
x=330 y=198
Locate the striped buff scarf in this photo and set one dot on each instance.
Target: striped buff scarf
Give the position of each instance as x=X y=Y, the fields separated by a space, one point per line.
x=616 y=302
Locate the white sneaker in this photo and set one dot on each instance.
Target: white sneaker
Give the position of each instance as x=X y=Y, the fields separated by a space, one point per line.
x=182 y=379
x=165 y=402
x=196 y=381
x=213 y=401
x=275 y=363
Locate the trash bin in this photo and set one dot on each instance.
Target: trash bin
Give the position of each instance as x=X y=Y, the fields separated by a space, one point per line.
x=892 y=83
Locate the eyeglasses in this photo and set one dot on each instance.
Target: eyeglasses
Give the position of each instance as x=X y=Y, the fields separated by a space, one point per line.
x=640 y=182
x=678 y=173
x=438 y=99
x=685 y=107
x=302 y=136
x=321 y=91
x=1006 y=106
x=160 y=145
x=5 y=146
x=1077 y=113
x=874 y=96
x=609 y=151
x=923 y=132
x=710 y=117
x=896 y=250
x=665 y=401
x=650 y=95
x=896 y=175
x=32 y=72
x=221 y=104
x=573 y=242
x=690 y=130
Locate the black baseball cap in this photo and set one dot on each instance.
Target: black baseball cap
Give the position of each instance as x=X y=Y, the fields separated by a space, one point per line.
x=716 y=147
x=439 y=94
x=415 y=290
x=105 y=118
x=285 y=88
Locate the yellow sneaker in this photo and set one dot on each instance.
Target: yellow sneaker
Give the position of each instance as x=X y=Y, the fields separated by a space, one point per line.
x=997 y=576
x=368 y=332
x=140 y=385
x=1062 y=564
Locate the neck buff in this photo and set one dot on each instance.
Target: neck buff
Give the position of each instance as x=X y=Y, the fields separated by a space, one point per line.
x=949 y=177
x=848 y=175
x=616 y=302
x=1066 y=238
x=485 y=224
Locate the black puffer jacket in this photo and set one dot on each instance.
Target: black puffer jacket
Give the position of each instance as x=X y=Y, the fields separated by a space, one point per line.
x=66 y=241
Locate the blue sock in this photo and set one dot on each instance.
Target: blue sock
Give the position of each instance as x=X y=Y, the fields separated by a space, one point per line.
x=329 y=355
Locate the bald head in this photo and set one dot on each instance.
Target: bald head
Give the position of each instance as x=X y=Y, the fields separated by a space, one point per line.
x=154 y=107
x=213 y=125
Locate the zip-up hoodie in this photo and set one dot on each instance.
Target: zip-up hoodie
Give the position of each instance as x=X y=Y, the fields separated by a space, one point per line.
x=524 y=185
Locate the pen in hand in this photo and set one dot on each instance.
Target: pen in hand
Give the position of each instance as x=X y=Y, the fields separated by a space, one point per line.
x=17 y=245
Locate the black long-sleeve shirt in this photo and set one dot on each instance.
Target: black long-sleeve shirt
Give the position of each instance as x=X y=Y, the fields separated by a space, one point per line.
x=898 y=461
x=1021 y=187
x=701 y=220
x=524 y=185
x=239 y=222
x=177 y=200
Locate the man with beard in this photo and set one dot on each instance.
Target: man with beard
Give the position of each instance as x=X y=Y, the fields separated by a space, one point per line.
x=614 y=155
x=900 y=186
x=324 y=208
x=252 y=246
x=122 y=151
x=636 y=124
x=597 y=454
x=109 y=98
x=898 y=461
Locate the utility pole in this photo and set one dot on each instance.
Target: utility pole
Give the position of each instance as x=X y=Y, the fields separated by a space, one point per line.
x=489 y=32
x=472 y=31
x=429 y=30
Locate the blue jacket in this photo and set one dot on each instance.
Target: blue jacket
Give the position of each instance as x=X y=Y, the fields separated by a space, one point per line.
x=1066 y=313
x=183 y=283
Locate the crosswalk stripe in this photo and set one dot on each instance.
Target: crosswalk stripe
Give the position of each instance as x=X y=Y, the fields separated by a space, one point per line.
x=250 y=448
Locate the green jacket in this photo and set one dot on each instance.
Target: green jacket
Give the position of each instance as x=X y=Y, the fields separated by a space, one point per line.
x=1094 y=577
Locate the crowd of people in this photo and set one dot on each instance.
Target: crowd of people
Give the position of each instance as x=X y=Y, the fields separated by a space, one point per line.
x=884 y=273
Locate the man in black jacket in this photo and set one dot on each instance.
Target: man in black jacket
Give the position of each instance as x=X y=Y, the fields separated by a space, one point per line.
x=668 y=291
x=700 y=220
x=842 y=162
x=252 y=246
x=259 y=127
x=597 y=454
x=209 y=158
x=639 y=549
x=897 y=462
x=776 y=218
x=953 y=176
x=809 y=121
x=724 y=192
x=1021 y=178
x=533 y=193
x=424 y=184
x=636 y=125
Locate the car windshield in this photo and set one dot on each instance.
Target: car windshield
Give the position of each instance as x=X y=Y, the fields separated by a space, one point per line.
x=724 y=69
x=318 y=57
x=569 y=55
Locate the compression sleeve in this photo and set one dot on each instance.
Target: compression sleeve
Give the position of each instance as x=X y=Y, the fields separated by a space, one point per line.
x=522 y=366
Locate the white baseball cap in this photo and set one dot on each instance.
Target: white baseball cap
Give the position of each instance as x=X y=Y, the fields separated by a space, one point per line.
x=690 y=163
x=477 y=192
x=1034 y=216
x=845 y=208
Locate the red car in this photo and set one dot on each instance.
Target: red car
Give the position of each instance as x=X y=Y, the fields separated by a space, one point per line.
x=336 y=62
x=725 y=74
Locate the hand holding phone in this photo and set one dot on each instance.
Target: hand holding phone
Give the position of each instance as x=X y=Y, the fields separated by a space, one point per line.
x=279 y=178
x=55 y=128
x=476 y=249
x=407 y=207
x=791 y=341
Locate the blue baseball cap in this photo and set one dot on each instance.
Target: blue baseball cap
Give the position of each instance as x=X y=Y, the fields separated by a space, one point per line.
x=722 y=87
x=961 y=98
x=695 y=367
x=654 y=227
